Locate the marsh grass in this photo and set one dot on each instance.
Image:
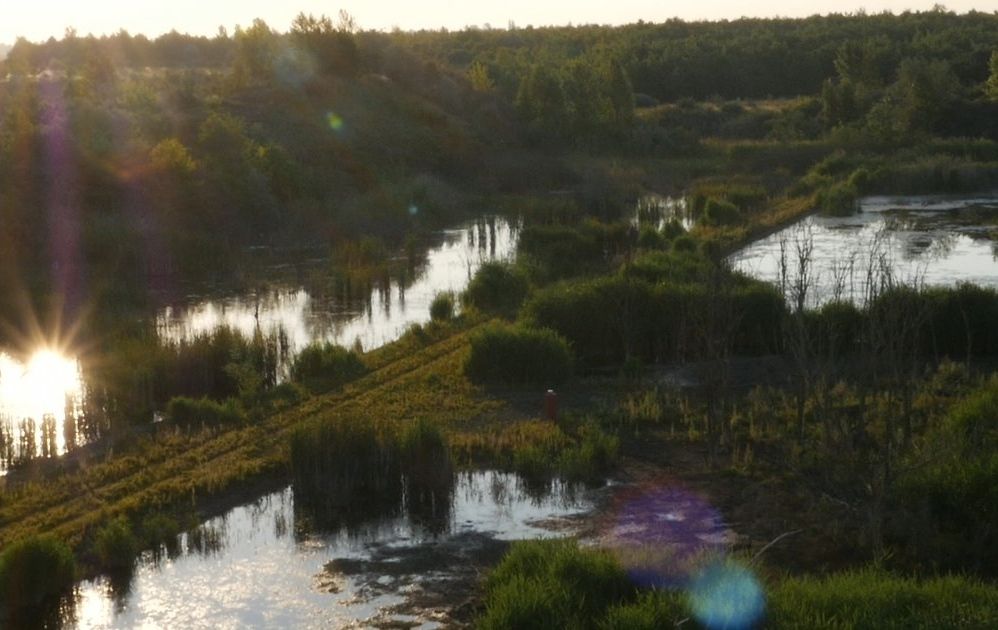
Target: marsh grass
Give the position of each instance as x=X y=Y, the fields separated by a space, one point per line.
x=558 y=584
x=116 y=546
x=349 y=471
x=34 y=573
x=553 y=584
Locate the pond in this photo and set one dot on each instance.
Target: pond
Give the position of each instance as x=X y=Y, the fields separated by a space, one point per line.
x=259 y=566
x=43 y=395
x=920 y=241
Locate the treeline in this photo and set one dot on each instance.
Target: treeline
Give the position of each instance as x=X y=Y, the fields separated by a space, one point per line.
x=746 y=58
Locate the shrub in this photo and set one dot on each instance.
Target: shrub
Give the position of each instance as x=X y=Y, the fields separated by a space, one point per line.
x=323 y=367
x=721 y=212
x=116 y=546
x=838 y=199
x=519 y=355
x=187 y=412
x=34 y=571
x=442 y=307
x=497 y=288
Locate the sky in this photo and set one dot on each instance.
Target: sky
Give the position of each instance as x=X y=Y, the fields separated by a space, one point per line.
x=38 y=20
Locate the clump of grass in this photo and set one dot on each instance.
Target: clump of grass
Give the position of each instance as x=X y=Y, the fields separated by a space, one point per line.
x=442 y=307
x=188 y=412
x=553 y=584
x=160 y=530
x=324 y=367
x=348 y=471
x=427 y=472
x=33 y=572
x=116 y=545
x=516 y=355
x=591 y=458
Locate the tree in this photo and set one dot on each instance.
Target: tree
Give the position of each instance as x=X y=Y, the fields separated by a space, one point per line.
x=541 y=102
x=478 y=75
x=333 y=48
x=256 y=48
x=991 y=87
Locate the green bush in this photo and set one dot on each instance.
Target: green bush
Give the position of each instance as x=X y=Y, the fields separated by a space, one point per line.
x=838 y=199
x=187 y=412
x=116 y=545
x=497 y=288
x=33 y=572
x=721 y=212
x=442 y=307
x=950 y=506
x=323 y=366
x=518 y=355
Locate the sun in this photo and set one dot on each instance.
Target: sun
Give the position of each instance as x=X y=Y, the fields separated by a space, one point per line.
x=48 y=378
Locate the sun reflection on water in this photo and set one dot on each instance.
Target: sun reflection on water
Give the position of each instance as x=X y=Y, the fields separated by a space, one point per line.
x=39 y=388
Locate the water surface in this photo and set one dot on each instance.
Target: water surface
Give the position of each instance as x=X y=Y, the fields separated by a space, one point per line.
x=263 y=572
x=920 y=241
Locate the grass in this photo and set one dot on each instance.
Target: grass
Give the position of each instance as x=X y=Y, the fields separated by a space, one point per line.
x=557 y=584
x=33 y=571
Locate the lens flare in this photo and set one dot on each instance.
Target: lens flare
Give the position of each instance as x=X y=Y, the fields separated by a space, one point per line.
x=334 y=121
x=660 y=532
x=726 y=595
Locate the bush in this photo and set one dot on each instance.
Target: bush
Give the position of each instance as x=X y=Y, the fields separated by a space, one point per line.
x=519 y=355
x=838 y=199
x=187 y=412
x=442 y=307
x=720 y=212
x=952 y=504
x=116 y=546
x=33 y=572
x=497 y=289
x=323 y=367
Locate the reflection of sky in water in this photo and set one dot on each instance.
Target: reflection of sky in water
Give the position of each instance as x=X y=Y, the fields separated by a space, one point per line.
x=306 y=318
x=915 y=235
x=263 y=577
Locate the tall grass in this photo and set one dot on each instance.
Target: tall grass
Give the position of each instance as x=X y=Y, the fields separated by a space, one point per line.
x=553 y=584
x=557 y=584
x=349 y=471
x=33 y=572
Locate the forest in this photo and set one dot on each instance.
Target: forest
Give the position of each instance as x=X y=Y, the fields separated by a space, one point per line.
x=834 y=422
